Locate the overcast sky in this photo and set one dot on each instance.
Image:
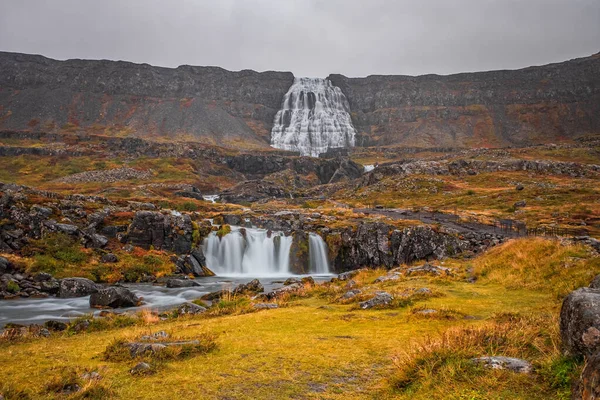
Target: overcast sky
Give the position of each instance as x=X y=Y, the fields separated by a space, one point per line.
x=308 y=37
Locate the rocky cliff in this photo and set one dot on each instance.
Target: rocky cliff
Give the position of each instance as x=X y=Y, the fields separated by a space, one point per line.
x=497 y=108
x=207 y=103
x=212 y=105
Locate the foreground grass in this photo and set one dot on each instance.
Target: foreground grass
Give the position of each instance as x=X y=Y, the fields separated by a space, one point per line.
x=317 y=347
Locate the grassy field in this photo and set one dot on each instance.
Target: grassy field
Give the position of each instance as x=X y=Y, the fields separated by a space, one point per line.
x=317 y=346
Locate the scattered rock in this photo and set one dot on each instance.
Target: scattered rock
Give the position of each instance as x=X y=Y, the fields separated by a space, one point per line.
x=429 y=269
x=389 y=277
x=519 y=187
x=252 y=287
x=81 y=326
x=580 y=322
x=380 y=299
x=189 y=309
x=91 y=376
x=109 y=258
x=351 y=283
x=77 y=287
x=155 y=336
x=140 y=369
x=281 y=291
x=291 y=281
x=55 y=325
x=344 y=276
x=520 y=204
x=509 y=363
x=4 y=265
x=114 y=297
x=426 y=311
x=265 y=306
x=351 y=293
x=181 y=283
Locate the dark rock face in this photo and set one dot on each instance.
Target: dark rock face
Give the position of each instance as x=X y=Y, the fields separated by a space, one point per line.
x=162 y=231
x=202 y=101
x=77 y=287
x=476 y=109
x=580 y=322
x=181 y=283
x=375 y=244
x=114 y=297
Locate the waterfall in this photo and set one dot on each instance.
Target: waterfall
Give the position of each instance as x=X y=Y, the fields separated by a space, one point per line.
x=253 y=253
x=317 y=250
x=314 y=117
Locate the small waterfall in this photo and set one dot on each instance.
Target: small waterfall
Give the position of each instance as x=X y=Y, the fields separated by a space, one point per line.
x=211 y=197
x=314 y=117
x=256 y=254
x=317 y=250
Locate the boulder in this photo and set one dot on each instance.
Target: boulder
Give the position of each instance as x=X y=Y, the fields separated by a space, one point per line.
x=508 y=363
x=189 y=309
x=55 y=325
x=140 y=369
x=580 y=322
x=77 y=287
x=252 y=287
x=381 y=299
x=520 y=204
x=265 y=306
x=181 y=283
x=595 y=284
x=109 y=258
x=291 y=281
x=68 y=229
x=114 y=297
x=4 y=265
x=351 y=294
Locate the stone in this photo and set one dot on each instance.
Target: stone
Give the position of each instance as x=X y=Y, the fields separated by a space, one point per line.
x=265 y=306
x=189 y=309
x=520 y=204
x=344 y=276
x=308 y=280
x=56 y=326
x=291 y=281
x=155 y=336
x=580 y=322
x=381 y=299
x=252 y=287
x=68 y=229
x=427 y=311
x=114 y=297
x=181 y=283
x=4 y=265
x=351 y=294
x=42 y=277
x=97 y=241
x=109 y=258
x=519 y=187
x=51 y=286
x=140 y=369
x=429 y=269
x=81 y=326
x=508 y=363
x=276 y=293
x=595 y=284
x=77 y=287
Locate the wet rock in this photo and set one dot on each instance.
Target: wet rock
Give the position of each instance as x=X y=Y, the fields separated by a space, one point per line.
x=252 y=287
x=42 y=277
x=114 y=297
x=291 y=281
x=56 y=326
x=181 y=283
x=580 y=322
x=51 y=286
x=109 y=258
x=265 y=306
x=508 y=363
x=381 y=299
x=189 y=309
x=77 y=287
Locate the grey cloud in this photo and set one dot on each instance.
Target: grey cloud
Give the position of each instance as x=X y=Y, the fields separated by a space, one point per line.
x=308 y=37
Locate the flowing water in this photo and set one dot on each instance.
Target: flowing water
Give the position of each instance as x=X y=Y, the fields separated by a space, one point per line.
x=317 y=251
x=314 y=117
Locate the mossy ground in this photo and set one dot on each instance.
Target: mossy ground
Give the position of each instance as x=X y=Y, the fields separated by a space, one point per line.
x=317 y=348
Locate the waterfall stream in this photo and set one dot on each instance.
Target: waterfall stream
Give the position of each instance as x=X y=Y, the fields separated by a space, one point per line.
x=317 y=250
x=314 y=117
x=258 y=252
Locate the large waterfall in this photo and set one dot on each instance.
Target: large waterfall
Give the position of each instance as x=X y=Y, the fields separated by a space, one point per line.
x=258 y=252
x=317 y=252
x=314 y=117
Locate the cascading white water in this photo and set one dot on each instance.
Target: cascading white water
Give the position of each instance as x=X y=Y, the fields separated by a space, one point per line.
x=256 y=254
x=317 y=251
x=314 y=117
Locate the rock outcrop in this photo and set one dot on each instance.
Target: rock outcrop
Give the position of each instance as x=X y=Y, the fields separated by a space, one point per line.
x=168 y=231
x=44 y=94
x=580 y=322
x=481 y=109
x=114 y=297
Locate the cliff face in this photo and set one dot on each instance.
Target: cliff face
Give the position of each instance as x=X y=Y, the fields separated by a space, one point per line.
x=497 y=108
x=209 y=103
x=212 y=105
